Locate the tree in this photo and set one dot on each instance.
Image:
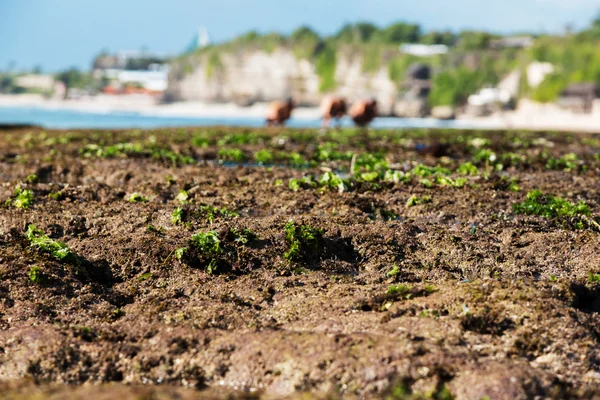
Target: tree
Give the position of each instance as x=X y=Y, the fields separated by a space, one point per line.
x=435 y=37
x=400 y=33
x=271 y=41
x=453 y=87
x=358 y=32
x=305 y=42
x=474 y=40
x=550 y=88
x=142 y=63
x=6 y=83
x=305 y=34
x=325 y=65
x=249 y=37
x=73 y=78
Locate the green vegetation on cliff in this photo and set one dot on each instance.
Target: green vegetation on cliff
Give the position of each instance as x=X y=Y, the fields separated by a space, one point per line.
x=476 y=59
x=576 y=59
x=326 y=63
x=305 y=42
x=213 y=63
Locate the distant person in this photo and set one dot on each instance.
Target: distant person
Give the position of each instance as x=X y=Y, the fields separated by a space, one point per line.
x=333 y=108
x=363 y=112
x=279 y=112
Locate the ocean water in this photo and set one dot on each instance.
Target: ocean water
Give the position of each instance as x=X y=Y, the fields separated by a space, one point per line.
x=69 y=119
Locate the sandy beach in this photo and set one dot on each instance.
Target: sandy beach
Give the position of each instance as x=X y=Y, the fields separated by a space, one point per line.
x=529 y=115
x=535 y=116
x=148 y=105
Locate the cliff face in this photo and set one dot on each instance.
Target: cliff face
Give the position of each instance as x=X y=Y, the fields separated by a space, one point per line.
x=259 y=76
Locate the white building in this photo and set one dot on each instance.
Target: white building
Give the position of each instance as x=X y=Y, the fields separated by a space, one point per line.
x=200 y=40
x=514 y=42
x=489 y=96
x=35 y=81
x=537 y=72
x=423 y=50
x=154 y=79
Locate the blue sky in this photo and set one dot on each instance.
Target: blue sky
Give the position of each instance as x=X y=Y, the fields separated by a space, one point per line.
x=60 y=33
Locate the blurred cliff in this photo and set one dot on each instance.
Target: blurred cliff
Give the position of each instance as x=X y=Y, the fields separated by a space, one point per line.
x=411 y=73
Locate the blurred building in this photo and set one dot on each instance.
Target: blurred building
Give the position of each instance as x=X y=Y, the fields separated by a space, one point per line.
x=40 y=84
x=132 y=72
x=512 y=42
x=489 y=96
x=200 y=40
x=489 y=100
x=537 y=72
x=152 y=80
x=35 y=82
x=579 y=97
x=129 y=59
x=423 y=50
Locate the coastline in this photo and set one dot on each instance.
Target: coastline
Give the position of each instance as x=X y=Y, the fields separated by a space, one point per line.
x=529 y=115
x=147 y=105
x=534 y=116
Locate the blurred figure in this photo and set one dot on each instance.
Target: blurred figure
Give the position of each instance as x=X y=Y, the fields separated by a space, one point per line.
x=363 y=112
x=333 y=108
x=279 y=112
